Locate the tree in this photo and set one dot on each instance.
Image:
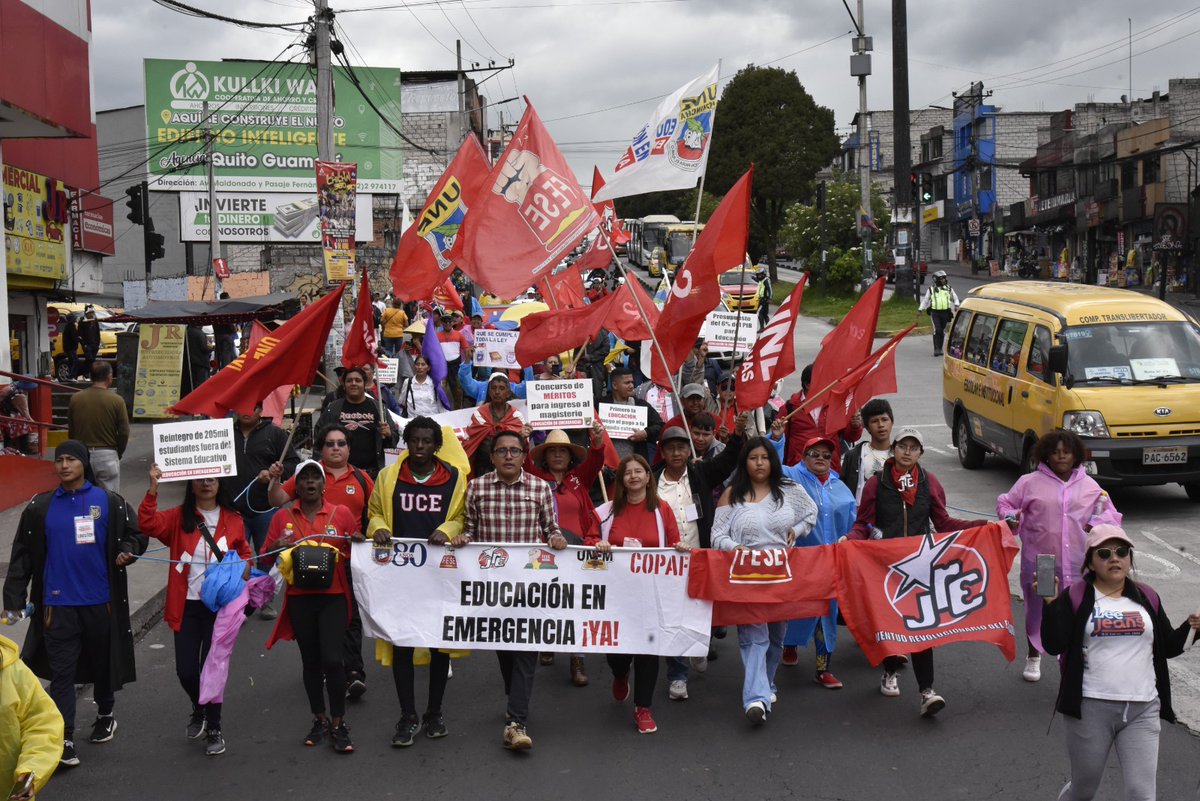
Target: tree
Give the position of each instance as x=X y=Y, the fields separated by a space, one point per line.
x=766 y=117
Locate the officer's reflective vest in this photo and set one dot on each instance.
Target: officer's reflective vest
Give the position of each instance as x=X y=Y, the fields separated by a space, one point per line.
x=940 y=299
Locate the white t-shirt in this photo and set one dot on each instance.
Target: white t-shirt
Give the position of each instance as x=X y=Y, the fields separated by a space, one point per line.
x=870 y=463
x=203 y=555
x=1118 y=658
x=424 y=398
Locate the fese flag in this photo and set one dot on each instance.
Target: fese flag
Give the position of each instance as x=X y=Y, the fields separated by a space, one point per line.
x=773 y=356
x=671 y=150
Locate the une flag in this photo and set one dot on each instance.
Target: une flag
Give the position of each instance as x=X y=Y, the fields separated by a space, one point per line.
x=773 y=356
x=671 y=150
x=546 y=333
x=849 y=343
x=273 y=404
x=288 y=355
x=764 y=586
x=910 y=593
x=421 y=263
x=529 y=214
x=721 y=246
x=360 y=346
x=875 y=376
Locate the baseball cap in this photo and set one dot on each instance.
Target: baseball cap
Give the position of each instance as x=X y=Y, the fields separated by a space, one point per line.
x=818 y=440
x=674 y=432
x=497 y=377
x=909 y=432
x=309 y=463
x=1104 y=532
x=692 y=391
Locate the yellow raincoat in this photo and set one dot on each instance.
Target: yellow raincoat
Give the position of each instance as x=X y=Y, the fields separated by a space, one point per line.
x=31 y=728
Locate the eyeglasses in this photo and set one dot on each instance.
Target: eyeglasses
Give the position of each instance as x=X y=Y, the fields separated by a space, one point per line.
x=1122 y=551
x=507 y=451
x=818 y=454
x=334 y=443
x=908 y=448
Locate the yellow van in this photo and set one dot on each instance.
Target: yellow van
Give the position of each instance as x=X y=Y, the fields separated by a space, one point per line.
x=1118 y=368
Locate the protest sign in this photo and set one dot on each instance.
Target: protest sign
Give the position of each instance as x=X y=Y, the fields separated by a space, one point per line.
x=559 y=404
x=527 y=597
x=722 y=326
x=622 y=420
x=388 y=370
x=195 y=449
x=495 y=348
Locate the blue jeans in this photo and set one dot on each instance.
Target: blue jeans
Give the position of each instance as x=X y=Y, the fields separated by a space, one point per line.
x=677 y=668
x=256 y=529
x=761 y=645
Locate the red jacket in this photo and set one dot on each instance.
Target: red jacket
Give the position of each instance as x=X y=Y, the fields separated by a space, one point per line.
x=578 y=483
x=167 y=528
x=801 y=428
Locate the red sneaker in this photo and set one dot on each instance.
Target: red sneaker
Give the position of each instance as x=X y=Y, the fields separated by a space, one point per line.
x=829 y=681
x=645 y=722
x=620 y=687
x=791 y=656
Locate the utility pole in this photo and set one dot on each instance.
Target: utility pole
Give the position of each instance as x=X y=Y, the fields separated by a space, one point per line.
x=821 y=189
x=860 y=67
x=462 y=93
x=214 y=232
x=902 y=152
x=323 y=23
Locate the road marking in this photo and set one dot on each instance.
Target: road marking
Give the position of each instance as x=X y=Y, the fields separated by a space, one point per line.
x=1160 y=541
x=1171 y=572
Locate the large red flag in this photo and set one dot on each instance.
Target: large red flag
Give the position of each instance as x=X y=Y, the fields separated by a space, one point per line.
x=598 y=256
x=446 y=295
x=876 y=375
x=850 y=342
x=273 y=404
x=764 y=586
x=421 y=263
x=609 y=220
x=360 y=345
x=563 y=289
x=721 y=246
x=773 y=356
x=288 y=355
x=910 y=593
x=625 y=314
x=546 y=333
x=528 y=216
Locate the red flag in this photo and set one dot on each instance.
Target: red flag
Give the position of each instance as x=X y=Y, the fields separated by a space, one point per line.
x=773 y=356
x=288 y=355
x=273 y=404
x=360 y=346
x=764 y=586
x=609 y=220
x=624 y=318
x=876 y=375
x=528 y=216
x=546 y=333
x=721 y=246
x=598 y=256
x=909 y=593
x=563 y=289
x=421 y=263
x=447 y=296
x=850 y=342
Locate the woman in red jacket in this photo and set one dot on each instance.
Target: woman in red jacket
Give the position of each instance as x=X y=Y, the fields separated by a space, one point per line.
x=205 y=519
x=636 y=518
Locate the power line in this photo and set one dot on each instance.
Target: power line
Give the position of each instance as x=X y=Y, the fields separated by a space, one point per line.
x=489 y=6
x=192 y=11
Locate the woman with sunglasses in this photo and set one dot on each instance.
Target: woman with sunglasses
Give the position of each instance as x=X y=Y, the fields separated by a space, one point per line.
x=197 y=533
x=905 y=500
x=1113 y=639
x=1051 y=510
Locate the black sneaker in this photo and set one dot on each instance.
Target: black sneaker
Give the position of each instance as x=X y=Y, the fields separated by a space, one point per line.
x=340 y=735
x=406 y=731
x=103 y=729
x=435 y=726
x=316 y=736
x=357 y=686
x=196 y=726
x=215 y=745
x=69 y=757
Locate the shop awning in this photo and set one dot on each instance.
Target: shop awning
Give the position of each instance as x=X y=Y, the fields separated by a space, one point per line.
x=206 y=312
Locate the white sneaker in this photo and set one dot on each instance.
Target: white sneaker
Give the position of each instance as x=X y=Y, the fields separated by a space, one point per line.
x=757 y=712
x=1033 y=668
x=931 y=703
x=678 y=690
x=889 y=686
x=699 y=663
x=450 y=671
x=774 y=699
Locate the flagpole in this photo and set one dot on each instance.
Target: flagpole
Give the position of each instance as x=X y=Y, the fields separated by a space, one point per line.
x=295 y=422
x=703 y=175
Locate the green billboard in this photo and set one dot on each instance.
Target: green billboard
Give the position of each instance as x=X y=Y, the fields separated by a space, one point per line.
x=265 y=115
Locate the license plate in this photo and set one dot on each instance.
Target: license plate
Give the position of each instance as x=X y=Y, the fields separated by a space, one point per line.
x=1164 y=455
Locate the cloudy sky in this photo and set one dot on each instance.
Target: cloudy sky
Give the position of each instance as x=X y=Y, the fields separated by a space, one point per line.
x=593 y=67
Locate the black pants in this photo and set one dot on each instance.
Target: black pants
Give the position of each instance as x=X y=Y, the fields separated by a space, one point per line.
x=192 y=642
x=922 y=665
x=74 y=633
x=403 y=674
x=226 y=350
x=319 y=623
x=517 y=668
x=645 y=674
x=941 y=319
x=352 y=658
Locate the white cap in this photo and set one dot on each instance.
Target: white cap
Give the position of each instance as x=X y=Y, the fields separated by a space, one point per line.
x=306 y=463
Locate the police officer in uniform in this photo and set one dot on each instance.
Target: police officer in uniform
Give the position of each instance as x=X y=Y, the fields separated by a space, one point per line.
x=940 y=302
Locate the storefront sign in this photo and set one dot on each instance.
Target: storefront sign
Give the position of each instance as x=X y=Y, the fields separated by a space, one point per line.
x=159 y=368
x=264 y=217
x=92 y=227
x=36 y=219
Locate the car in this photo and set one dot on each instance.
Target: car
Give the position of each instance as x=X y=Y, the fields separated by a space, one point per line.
x=58 y=316
x=887 y=269
x=739 y=290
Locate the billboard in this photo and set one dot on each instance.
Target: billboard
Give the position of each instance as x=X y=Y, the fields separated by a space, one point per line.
x=266 y=116
x=35 y=224
x=283 y=217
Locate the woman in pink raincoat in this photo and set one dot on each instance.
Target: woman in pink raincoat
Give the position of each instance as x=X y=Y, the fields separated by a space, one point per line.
x=1051 y=510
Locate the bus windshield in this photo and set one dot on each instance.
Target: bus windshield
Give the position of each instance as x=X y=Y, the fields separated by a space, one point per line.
x=1133 y=353
x=679 y=245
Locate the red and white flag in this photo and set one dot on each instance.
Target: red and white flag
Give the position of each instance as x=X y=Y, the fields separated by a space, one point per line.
x=529 y=215
x=446 y=296
x=360 y=347
x=563 y=289
x=625 y=315
x=773 y=356
x=609 y=221
x=875 y=376
x=850 y=342
x=721 y=246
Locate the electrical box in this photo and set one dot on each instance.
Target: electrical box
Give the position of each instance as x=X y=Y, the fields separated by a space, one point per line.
x=860 y=65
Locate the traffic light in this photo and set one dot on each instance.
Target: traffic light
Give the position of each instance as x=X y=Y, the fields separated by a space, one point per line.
x=154 y=243
x=926 y=187
x=136 y=205
x=914 y=183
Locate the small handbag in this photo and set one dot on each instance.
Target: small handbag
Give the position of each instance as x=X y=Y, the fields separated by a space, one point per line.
x=313 y=566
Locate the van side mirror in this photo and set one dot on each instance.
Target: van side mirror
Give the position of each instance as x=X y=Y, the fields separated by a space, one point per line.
x=1058 y=359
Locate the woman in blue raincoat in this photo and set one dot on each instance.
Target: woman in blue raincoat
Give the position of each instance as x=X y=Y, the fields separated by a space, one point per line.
x=835 y=516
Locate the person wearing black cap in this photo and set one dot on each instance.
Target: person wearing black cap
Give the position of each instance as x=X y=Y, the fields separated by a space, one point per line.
x=73 y=543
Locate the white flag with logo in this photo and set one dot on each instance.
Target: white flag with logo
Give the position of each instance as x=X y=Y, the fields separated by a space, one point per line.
x=671 y=150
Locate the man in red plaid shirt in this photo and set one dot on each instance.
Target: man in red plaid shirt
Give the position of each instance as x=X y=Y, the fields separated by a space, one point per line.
x=511 y=506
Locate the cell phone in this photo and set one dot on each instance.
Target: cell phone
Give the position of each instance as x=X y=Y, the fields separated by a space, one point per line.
x=1046 y=564
x=23 y=787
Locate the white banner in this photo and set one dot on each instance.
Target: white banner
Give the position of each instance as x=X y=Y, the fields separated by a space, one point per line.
x=195 y=449
x=529 y=598
x=264 y=217
x=721 y=326
x=671 y=150
x=623 y=420
x=495 y=348
x=559 y=404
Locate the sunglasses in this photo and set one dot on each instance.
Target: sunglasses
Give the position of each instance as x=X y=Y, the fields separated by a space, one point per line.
x=334 y=443
x=819 y=454
x=1122 y=551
